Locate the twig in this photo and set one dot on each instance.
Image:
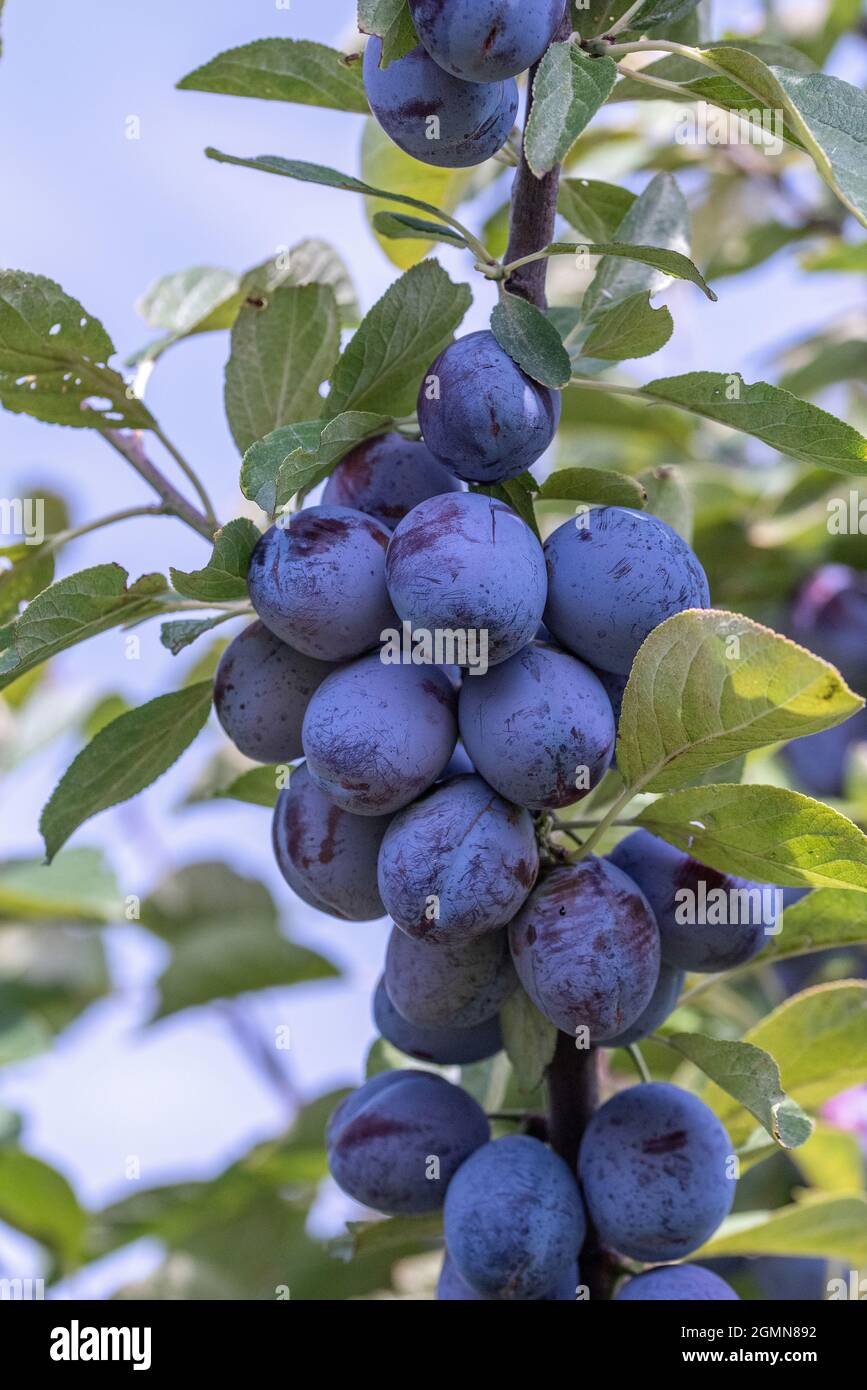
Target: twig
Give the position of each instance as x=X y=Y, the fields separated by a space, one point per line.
x=128 y=443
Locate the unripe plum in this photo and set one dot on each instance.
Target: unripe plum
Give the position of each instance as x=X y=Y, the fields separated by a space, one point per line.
x=457 y=863
x=433 y=116
x=654 y=1166
x=514 y=1219
x=662 y=1002
x=486 y=40
x=586 y=949
x=376 y=736
x=317 y=580
x=327 y=856
x=482 y=416
x=448 y=986
x=467 y=563
x=446 y=1047
x=261 y=689
x=613 y=576
x=675 y=1284
x=726 y=920
x=451 y=1288
x=539 y=727
x=396 y=1143
x=386 y=477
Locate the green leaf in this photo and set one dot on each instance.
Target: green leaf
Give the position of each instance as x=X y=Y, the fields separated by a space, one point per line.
x=831 y=1160
x=595 y=209
x=127 y=756
x=708 y=686
x=283 y=70
x=263 y=460
x=225 y=575
x=517 y=493
x=528 y=1039
x=259 y=786
x=669 y=498
x=397 y=226
x=364 y=1237
x=389 y=20
x=31 y=569
x=819 y=1041
x=73 y=610
x=396 y=342
x=385 y=165
x=658 y=12
x=825 y=918
x=829 y=1227
x=595 y=486
x=179 y=635
x=751 y=1077
x=837 y=256
x=764 y=834
x=54 y=356
x=206 y=894
x=224 y=959
x=834 y=362
x=658 y=218
x=778 y=418
x=531 y=340
x=568 y=90
x=294 y=459
x=189 y=301
x=284 y=345
x=753 y=246
x=36 y=1200
x=78 y=887
x=632 y=328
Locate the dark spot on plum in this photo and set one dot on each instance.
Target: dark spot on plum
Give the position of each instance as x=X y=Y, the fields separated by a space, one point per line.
x=666 y=1143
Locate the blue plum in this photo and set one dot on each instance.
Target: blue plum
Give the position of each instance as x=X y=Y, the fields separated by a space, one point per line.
x=317 y=580
x=448 y=986
x=586 y=949
x=662 y=1002
x=514 y=1220
x=458 y=862
x=467 y=564
x=433 y=116
x=784 y=1279
x=376 y=736
x=539 y=727
x=451 y=1288
x=818 y=763
x=386 y=477
x=615 y=689
x=481 y=416
x=396 y=1143
x=708 y=921
x=829 y=617
x=443 y=1046
x=327 y=856
x=613 y=576
x=486 y=40
x=262 y=688
x=676 y=1284
x=654 y=1165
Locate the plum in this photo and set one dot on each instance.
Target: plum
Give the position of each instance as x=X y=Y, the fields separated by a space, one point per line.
x=829 y=617
x=481 y=416
x=675 y=1284
x=451 y=1288
x=442 y=1046
x=586 y=949
x=662 y=1002
x=261 y=690
x=448 y=986
x=386 y=477
x=819 y=762
x=458 y=862
x=486 y=40
x=613 y=576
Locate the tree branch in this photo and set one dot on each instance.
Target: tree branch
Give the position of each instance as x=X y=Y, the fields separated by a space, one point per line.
x=128 y=443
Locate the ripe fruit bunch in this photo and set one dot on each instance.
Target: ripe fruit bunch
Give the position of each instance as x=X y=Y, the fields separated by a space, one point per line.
x=452 y=100
x=388 y=813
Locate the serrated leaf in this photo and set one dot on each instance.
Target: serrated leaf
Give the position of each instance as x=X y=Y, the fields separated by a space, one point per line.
x=595 y=209
x=284 y=345
x=632 y=328
x=531 y=340
x=224 y=577
x=263 y=460
x=763 y=834
x=568 y=90
x=283 y=70
x=708 y=686
x=383 y=365
x=72 y=610
x=827 y=1227
x=304 y=468
x=658 y=218
x=825 y=918
x=751 y=1077
x=529 y=1039
x=656 y=12
x=177 y=636
x=54 y=356
x=127 y=756
x=819 y=1041
x=30 y=570
x=597 y=487
x=778 y=418
x=397 y=226
x=390 y=20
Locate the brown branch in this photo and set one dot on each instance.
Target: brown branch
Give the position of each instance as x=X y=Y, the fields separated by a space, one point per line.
x=128 y=443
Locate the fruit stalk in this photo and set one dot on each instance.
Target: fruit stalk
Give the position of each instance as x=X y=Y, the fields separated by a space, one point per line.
x=534 y=208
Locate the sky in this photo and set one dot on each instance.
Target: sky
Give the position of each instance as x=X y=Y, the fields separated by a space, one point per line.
x=105 y=215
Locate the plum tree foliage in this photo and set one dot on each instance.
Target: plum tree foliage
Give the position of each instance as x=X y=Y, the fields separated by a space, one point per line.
x=618 y=591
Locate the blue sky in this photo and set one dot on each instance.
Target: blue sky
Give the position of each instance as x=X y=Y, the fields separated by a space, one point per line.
x=105 y=215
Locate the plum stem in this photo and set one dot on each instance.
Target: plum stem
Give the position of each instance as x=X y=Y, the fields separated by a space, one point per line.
x=640 y=1065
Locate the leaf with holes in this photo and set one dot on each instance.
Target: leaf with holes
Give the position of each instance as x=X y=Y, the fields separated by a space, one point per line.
x=632 y=328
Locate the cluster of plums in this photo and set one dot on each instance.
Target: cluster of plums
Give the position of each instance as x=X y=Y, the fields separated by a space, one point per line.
x=390 y=814
x=452 y=100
